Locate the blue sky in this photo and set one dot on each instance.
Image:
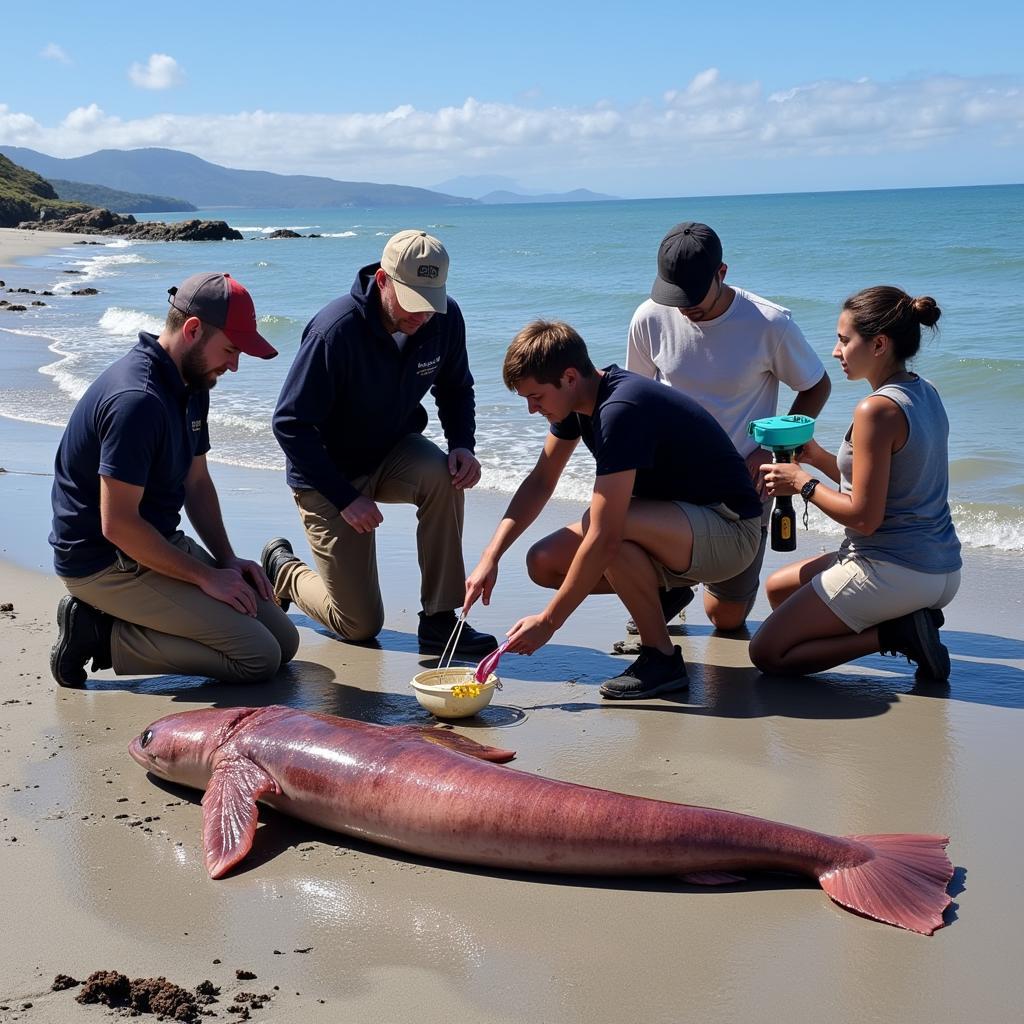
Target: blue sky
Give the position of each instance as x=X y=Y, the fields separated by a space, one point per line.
x=638 y=99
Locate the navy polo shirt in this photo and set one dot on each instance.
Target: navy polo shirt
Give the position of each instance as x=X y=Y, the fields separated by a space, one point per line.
x=139 y=423
x=678 y=449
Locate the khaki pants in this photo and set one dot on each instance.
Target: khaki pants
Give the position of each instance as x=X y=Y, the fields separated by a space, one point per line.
x=163 y=625
x=344 y=593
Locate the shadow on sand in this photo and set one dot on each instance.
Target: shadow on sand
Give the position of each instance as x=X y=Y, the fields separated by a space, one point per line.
x=986 y=670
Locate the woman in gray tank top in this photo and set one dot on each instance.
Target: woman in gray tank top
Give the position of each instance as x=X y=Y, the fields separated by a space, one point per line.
x=900 y=561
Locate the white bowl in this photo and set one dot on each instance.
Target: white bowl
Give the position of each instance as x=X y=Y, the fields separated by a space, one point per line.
x=433 y=690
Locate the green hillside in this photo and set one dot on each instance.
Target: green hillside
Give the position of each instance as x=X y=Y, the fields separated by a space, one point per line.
x=117 y=201
x=24 y=195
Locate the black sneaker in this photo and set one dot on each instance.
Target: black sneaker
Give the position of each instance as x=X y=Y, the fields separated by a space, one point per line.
x=435 y=631
x=277 y=552
x=673 y=601
x=83 y=632
x=916 y=637
x=652 y=673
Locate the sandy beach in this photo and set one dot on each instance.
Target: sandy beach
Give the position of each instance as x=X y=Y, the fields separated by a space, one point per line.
x=103 y=865
x=115 y=859
x=17 y=245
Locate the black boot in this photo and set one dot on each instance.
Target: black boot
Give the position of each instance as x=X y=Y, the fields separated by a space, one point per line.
x=435 y=631
x=276 y=553
x=652 y=673
x=83 y=632
x=916 y=637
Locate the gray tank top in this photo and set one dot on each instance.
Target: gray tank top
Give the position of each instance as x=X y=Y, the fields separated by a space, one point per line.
x=917 y=529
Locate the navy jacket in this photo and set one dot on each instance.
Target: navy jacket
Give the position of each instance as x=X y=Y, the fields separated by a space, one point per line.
x=351 y=395
x=137 y=423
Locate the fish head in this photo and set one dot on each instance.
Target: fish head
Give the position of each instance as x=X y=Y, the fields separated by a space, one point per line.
x=181 y=747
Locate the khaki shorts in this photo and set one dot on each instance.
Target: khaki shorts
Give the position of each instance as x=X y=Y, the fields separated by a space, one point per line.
x=864 y=592
x=723 y=546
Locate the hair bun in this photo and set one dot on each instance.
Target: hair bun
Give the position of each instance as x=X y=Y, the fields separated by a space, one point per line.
x=926 y=312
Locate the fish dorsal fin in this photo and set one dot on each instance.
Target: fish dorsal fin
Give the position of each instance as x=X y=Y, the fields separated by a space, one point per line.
x=463 y=745
x=229 y=811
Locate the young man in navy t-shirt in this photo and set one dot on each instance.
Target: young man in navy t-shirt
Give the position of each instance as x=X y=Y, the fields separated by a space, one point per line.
x=142 y=597
x=673 y=503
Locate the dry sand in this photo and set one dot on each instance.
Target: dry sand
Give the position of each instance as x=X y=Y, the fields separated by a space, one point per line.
x=102 y=866
x=17 y=245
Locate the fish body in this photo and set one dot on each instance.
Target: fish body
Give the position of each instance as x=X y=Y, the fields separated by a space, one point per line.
x=435 y=793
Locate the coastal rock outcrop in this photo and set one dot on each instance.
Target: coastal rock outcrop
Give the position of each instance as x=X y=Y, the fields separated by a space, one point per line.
x=103 y=222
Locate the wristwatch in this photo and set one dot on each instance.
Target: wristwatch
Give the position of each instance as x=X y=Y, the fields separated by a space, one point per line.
x=808 y=488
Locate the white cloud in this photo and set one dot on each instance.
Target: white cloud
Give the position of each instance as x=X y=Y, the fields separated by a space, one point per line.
x=18 y=129
x=711 y=126
x=161 y=71
x=53 y=51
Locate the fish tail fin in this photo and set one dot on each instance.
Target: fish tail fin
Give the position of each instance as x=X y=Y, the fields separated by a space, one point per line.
x=902 y=882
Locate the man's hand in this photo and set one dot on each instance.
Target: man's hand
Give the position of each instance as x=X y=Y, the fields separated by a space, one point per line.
x=362 y=515
x=229 y=586
x=755 y=460
x=464 y=468
x=529 y=634
x=480 y=582
x=254 y=574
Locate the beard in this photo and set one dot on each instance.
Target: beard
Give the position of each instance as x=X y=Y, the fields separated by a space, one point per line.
x=195 y=369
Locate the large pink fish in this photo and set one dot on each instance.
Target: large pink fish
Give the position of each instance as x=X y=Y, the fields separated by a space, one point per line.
x=432 y=792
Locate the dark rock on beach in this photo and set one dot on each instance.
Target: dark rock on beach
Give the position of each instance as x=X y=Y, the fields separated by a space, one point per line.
x=140 y=995
x=284 y=233
x=103 y=222
x=85 y=291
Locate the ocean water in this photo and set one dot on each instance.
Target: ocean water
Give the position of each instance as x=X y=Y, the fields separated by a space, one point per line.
x=590 y=264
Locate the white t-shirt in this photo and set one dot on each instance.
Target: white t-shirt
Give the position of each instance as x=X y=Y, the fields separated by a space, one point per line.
x=731 y=365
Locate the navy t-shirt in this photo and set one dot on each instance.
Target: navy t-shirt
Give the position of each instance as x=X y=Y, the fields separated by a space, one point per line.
x=677 y=448
x=138 y=423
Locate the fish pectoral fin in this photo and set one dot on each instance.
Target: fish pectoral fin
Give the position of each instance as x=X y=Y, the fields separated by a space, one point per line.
x=712 y=878
x=229 y=812
x=453 y=741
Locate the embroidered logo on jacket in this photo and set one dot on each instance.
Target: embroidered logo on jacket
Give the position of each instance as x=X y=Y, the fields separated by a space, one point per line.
x=197 y=425
x=427 y=368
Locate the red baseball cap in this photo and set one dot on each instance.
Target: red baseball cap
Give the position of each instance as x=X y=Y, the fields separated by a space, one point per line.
x=219 y=300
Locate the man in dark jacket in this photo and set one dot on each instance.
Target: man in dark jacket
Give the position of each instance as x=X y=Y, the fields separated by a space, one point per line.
x=350 y=421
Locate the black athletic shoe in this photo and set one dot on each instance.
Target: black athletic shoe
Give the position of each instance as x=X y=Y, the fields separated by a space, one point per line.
x=916 y=637
x=277 y=552
x=652 y=673
x=673 y=601
x=435 y=631
x=83 y=633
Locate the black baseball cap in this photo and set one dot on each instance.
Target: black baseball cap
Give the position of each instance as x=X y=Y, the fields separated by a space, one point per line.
x=688 y=259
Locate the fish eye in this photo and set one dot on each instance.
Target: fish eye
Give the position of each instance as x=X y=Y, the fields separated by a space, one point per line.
x=145 y=738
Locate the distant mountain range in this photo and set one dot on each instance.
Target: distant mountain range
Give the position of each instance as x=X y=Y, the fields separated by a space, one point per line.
x=171 y=173
x=577 y=195
x=116 y=201
x=494 y=189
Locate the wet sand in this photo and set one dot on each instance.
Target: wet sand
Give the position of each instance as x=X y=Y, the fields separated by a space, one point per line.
x=103 y=865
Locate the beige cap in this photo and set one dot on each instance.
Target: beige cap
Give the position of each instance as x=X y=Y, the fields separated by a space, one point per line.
x=417 y=264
